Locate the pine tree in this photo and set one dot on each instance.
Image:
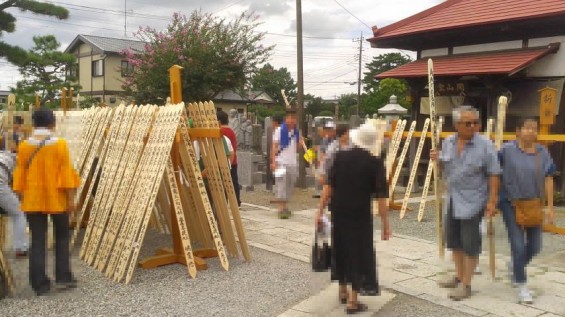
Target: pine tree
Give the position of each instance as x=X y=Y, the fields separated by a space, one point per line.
x=46 y=70
x=15 y=54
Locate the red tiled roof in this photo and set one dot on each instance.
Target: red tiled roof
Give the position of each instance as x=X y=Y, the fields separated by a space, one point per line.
x=463 y=13
x=507 y=62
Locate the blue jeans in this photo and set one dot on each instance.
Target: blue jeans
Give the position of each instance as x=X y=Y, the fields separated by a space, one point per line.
x=524 y=243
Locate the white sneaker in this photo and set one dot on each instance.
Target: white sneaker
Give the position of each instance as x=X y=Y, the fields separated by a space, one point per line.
x=524 y=295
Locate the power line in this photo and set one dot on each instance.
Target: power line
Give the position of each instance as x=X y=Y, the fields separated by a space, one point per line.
x=62 y=22
x=167 y=18
x=228 y=6
x=353 y=15
x=336 y=77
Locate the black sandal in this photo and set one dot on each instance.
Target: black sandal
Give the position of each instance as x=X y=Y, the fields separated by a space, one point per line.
x=359 y=308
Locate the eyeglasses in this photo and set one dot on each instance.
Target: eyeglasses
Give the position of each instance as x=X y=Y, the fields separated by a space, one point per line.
x=468 y=124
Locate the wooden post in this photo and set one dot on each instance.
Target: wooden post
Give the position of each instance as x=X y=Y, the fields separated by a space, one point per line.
x=167 y=256
x=435 y=145
x=548 y=101
x=64 y=100
x=498 y=139
x=176 y=85
x=37 y=102
x=69 y=103
x=8 y=125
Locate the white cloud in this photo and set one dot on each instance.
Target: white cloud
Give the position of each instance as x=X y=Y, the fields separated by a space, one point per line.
x=270 y=7
x=328 y=63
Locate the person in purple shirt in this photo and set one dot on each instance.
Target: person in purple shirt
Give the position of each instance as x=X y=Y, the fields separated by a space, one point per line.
x=527 y=173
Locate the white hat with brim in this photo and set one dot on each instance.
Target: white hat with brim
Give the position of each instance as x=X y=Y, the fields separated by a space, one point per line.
x=365 y=137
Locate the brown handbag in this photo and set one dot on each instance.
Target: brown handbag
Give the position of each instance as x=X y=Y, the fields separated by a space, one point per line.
x=529 y=212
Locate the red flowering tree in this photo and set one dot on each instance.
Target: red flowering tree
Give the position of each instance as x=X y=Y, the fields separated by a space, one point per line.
x=216 y=54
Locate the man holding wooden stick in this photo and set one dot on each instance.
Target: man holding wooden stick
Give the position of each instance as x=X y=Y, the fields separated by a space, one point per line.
x=472 y=170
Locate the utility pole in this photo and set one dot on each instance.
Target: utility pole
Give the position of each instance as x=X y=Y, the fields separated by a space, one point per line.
x=359 y=75
x=300 y=89
x=125 y=18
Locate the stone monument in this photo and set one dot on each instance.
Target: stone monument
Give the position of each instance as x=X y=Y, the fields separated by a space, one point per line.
x=248 y=134
x=235 y=124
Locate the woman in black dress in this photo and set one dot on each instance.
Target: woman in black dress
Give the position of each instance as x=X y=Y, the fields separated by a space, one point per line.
x=357 y=176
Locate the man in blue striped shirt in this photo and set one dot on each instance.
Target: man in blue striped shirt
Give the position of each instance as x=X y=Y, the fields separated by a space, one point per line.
x=470 y=165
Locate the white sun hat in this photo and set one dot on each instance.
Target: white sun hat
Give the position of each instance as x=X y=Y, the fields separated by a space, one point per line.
x=366 y=137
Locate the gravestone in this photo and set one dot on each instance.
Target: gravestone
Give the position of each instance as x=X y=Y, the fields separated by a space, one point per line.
x=268 y=143
x=248 y=135
x=256 y=134
x=235 y=125
x=247 y=169
x=241 y=144
x=355 y=121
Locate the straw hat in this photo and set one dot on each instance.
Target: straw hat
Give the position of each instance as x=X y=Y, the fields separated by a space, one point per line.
x=366 y=137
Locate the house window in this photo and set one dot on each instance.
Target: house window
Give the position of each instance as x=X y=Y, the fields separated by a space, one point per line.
x=98 y=68
x=126 y=69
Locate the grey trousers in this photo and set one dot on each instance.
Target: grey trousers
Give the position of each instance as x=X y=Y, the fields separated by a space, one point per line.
x=11 y=205
x=284 y=185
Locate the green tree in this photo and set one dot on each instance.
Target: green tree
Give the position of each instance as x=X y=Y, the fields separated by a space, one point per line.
x=262 y=111
x=326 y=113
x=374 y=100
x=271 y=81
x=216 y=54
x=381 y=64
x=347 y=104
x=44 y=71
x=316 y=105
x=15 y=54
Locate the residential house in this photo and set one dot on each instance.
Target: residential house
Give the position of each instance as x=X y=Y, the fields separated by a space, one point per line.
x=101 y=66
x=482 y=50
x=229 y=99
x=4 y=97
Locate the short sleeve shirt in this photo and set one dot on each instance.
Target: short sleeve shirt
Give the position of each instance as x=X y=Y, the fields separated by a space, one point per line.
x=289 y=155
x=523 y=173
x=467 y=175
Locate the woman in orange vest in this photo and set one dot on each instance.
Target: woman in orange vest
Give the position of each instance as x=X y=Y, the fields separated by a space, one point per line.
x=46 y=181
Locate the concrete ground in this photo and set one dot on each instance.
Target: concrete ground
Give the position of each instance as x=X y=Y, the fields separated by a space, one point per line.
x=267 y=286
x=279 y=282
x=408 y=265
x=553 y=245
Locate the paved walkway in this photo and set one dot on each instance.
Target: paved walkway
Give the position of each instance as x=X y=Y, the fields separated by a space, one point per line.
x=406 y=265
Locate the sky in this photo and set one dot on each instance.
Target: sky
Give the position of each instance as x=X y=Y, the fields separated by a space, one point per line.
x=331 y=31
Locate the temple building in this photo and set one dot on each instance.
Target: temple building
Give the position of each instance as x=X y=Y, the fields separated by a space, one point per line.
x=482 y=50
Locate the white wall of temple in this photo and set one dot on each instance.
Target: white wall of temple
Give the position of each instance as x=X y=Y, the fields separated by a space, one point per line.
x=552 y=65
x=487 y=47
x=435 y=52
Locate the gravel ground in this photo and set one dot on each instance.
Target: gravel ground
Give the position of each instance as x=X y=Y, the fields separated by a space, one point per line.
x=267 y=286
x=409 y=306
x=553 y=245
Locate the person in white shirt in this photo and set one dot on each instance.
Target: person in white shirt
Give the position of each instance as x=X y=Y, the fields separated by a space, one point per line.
x=284 y=161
